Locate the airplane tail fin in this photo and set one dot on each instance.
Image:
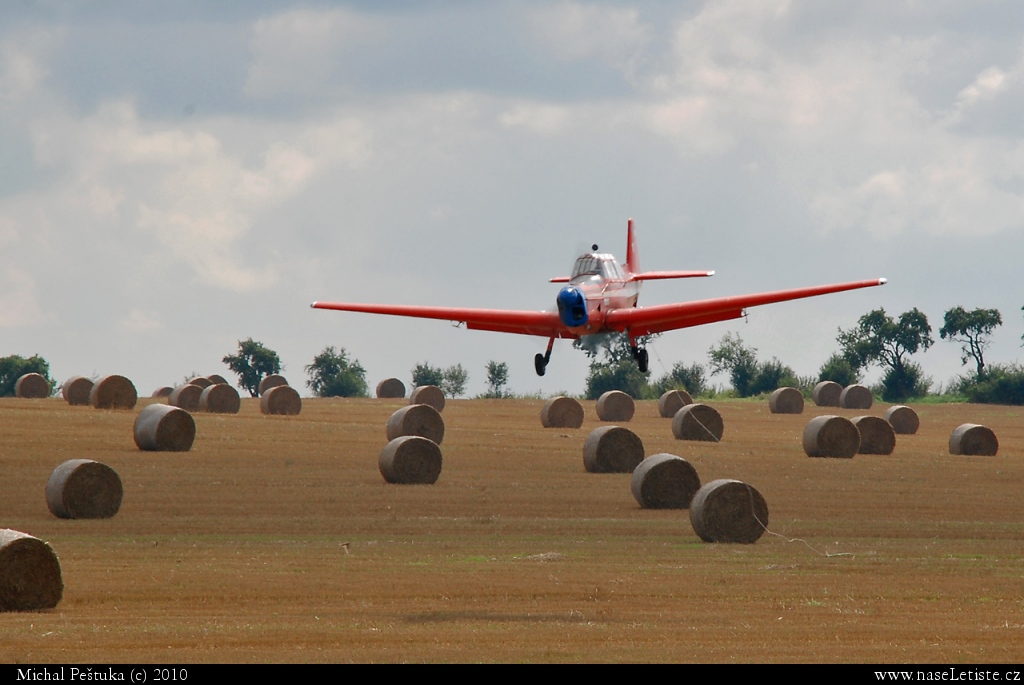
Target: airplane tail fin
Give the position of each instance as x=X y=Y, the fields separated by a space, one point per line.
x=632 y=256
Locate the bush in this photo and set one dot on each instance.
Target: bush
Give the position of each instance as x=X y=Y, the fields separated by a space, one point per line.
x=897 y=386
x=622 y=375
x=451 y=380
x=425 y=374
x=689 y=378
x=770 y=376
x=1002 y=384
x=749 y=376
x=838 y=369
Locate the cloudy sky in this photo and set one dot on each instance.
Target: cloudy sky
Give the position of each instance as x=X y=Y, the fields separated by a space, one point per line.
x=175 y=177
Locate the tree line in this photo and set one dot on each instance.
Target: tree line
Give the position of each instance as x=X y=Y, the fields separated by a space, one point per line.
x=877 y=339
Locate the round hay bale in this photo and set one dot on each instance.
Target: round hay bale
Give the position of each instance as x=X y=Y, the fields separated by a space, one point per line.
x=612 y=449
x=615 y=405
x=410 y=460
x=561 y=412
x=76 y=389
x=113 y=392
x=826 y=394
x=855 y=397
x=163 y=428
x=729 y=511
x=84 y=489
x=29 y=573
x=672 y=401
x=281 y=399
x=274 y=380
x=664 y=481
x=217 y=379
x=974 y=440
x=786 y=401
x=202 y=381
x=32 y=386
x=416 y=419
x=165 y=391
x=876 y=435
x=186 y=397
x=220 y=399
x=391 y=388
x=428 y=394
x=698 y=422
x=831 y=436
x=903 y=419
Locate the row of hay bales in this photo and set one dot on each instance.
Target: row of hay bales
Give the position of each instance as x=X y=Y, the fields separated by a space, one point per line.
x=837 y=436
x=720 y=511
x=691 y=421
x=215 y=395
x=109 y=392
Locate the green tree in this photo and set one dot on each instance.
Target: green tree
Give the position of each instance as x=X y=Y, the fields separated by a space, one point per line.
x=451 y=380
x=621 y=375
x=425 y=374
x=749 y=376
x=971 y=330
x=332 y=375
x=738 y=360
x=839 y=369
x=497 y=378
x=252 y=364
x=15 y=366
x=689 y=378
x=879 y=339
x=612 y=366
x=454 y=382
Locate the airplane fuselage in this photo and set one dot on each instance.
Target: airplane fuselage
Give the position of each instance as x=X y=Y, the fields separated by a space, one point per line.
x=601 y=295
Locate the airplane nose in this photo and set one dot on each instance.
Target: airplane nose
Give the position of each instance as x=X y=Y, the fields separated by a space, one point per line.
x=572 y=306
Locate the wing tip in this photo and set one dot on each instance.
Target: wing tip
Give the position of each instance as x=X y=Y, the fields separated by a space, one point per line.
x=883 y=281
x=313 y=306
x=711 y=273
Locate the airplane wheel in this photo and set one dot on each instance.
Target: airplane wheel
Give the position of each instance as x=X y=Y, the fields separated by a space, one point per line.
x=641 y=360
x=540 y=364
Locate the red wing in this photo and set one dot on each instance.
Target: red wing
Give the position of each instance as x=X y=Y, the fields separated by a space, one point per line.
x=668 y=317
x=545 y=324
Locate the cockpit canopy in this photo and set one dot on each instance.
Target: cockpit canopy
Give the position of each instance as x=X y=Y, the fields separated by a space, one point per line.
x=592 y=264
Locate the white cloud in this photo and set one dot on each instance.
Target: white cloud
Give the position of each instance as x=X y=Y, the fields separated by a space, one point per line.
x=839 y=121
x=296 y=52
x=138 y=321
x=23 y=69
x=536 y=117
x=19 y=307
x=122 y=175
x=572 y=31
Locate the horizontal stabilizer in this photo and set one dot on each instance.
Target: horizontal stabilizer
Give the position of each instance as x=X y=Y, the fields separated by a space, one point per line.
x=659 y=275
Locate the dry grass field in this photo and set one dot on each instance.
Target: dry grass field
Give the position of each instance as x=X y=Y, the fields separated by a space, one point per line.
x=277 y=540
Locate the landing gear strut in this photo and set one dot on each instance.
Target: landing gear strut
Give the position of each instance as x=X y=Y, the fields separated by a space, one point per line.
x=640 y=355
x=540 y=361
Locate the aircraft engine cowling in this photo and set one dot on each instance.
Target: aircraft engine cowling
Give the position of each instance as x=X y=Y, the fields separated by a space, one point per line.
x=572 y=307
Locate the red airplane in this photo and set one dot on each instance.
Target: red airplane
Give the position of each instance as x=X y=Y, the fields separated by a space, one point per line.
x=600 y=297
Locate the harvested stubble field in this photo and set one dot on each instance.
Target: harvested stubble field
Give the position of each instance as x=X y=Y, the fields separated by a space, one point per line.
x=236 y=551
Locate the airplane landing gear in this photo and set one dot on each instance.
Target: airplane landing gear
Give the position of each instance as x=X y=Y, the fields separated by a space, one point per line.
x=540 y=361
x=641 y=357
